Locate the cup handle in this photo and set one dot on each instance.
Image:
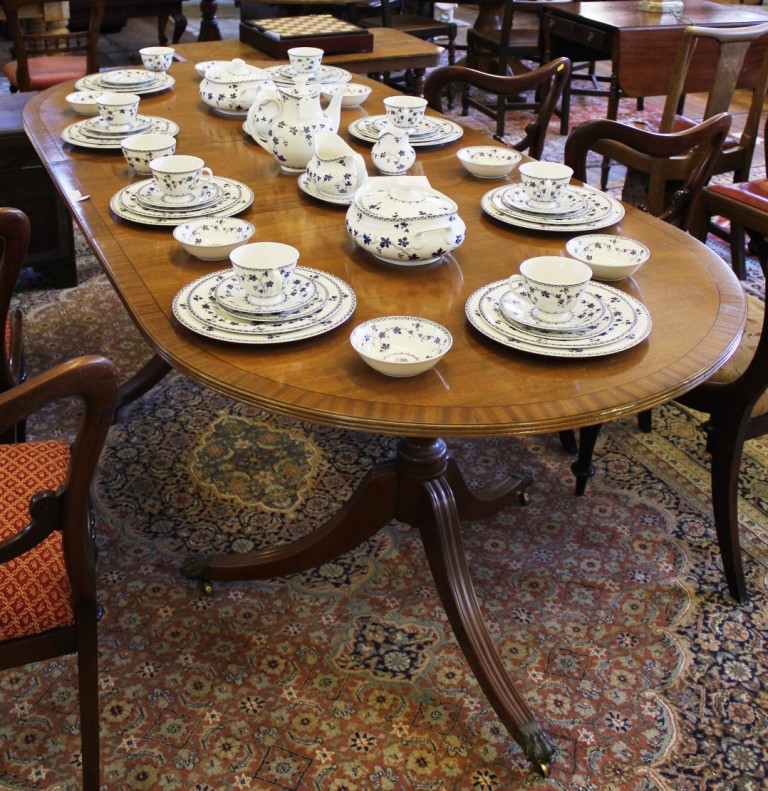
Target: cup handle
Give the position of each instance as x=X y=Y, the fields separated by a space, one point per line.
x=206 y=174
x=516 y=282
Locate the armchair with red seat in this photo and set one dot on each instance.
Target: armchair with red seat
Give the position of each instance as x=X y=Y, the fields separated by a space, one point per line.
x=48 y=605
x=47 y=59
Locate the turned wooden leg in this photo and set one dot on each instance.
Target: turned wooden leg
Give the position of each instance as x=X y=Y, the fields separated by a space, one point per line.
x=583 y=468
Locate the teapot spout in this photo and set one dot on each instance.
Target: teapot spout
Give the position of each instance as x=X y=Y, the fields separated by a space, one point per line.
x=333 y=111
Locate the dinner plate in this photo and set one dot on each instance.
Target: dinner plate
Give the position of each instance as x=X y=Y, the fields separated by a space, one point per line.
x=204 y=308
x=307 y=185
x=126 y=78
x=622 y=318
x=447 y=131
x=75 y=135
x=235 y=197
x=149 y=194
x=515 y=307
x=570 y=201
x=325 y=74
x=596 y=206
x=230 y=295
x=93 y=82
x=596 y=201
x=531 y=345
x=345 y=309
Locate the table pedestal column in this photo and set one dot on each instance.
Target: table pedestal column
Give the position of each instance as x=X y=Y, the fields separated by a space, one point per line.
x=422 y=487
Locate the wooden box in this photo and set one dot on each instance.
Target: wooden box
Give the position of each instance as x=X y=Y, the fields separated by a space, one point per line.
x=276 y=36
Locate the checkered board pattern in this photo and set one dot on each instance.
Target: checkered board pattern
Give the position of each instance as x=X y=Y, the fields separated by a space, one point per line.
x=301 y=26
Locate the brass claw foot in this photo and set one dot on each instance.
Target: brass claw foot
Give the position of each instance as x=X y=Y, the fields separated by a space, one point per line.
x=537 y=747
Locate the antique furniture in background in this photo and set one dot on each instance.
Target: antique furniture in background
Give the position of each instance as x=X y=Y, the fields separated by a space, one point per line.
x=44 y=59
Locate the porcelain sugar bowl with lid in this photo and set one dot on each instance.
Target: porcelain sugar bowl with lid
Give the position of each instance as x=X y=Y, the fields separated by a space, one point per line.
x=231 y=88
x=402 y=220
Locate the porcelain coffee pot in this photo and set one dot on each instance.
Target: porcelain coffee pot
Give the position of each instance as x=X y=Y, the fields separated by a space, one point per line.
x=335 y=170
x=299 y=117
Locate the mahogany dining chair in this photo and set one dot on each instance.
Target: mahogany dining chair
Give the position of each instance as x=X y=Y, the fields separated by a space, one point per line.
x=46 y=59
x=547 y=82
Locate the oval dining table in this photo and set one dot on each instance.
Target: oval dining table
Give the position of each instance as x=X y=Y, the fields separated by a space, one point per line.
x=479 y=389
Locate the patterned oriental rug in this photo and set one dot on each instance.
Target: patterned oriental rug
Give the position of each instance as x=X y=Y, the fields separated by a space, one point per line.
x=610 y=610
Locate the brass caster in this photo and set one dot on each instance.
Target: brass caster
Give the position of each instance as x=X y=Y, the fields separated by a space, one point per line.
x=544 y=770
x=207 y=587
x=524 y=498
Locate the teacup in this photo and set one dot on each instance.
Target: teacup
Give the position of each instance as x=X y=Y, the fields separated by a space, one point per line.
x=118 y=110
x=405 y=112
x=157 y=58
x=305 y=60
x=544 y=181
x=264 y=270
x=140 y=150
x=552 y=285
x=176 y=176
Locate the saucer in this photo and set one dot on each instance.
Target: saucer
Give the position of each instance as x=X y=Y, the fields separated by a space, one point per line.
x=513 y=305
x=127 y=78
x=102 y=128
x=307 y=185
x=231 y=296
x=570 y=200
x=151 y=195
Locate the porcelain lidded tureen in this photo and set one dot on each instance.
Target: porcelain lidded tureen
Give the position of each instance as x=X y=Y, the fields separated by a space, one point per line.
x=231 y=88
x=402 y=220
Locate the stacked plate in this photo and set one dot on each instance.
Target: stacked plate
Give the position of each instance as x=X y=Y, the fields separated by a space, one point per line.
x=578 y=209
x=93 y=133
x=604 y=321
x=144 y=203
x=138 y=81
x=325 y=75
x=432 y=131
x=216 y=306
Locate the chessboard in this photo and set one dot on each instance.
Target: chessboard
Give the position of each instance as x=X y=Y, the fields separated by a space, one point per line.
x=332 y=35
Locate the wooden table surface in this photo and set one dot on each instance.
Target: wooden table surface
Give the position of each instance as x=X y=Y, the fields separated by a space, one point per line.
x=479 y=389
x=393 y=50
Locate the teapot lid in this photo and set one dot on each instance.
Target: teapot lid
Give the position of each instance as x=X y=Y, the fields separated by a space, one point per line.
x=235 y=72
x=406 y=198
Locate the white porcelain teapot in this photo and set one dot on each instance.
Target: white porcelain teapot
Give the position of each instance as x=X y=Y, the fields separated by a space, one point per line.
x=298 y=118
x=231 y=88
x=335 y=171
x=402 y=220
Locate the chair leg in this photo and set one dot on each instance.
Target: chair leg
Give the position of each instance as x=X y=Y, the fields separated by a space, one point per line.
x=583 y=468
x=738 y=250
x=726 y=445
x=88 y=686
x=568 y=442
x=645 y=421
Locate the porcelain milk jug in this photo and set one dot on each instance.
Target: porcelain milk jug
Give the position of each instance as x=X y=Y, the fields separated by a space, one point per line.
x=392 y=153
x=335 y=171
x=298 y=119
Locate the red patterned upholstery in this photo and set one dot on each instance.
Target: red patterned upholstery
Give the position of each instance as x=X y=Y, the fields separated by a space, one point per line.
x=46 y=72
x=749 y=193
x=35 y=593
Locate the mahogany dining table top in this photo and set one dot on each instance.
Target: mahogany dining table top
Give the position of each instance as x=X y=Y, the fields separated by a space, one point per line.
x=479 y=389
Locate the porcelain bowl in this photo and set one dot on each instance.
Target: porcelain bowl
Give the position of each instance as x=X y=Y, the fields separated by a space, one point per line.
x=84 y=102
x=488 y=162
x=354 y=93
x=213 y=239
x=609 y=257
x=401 y=346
